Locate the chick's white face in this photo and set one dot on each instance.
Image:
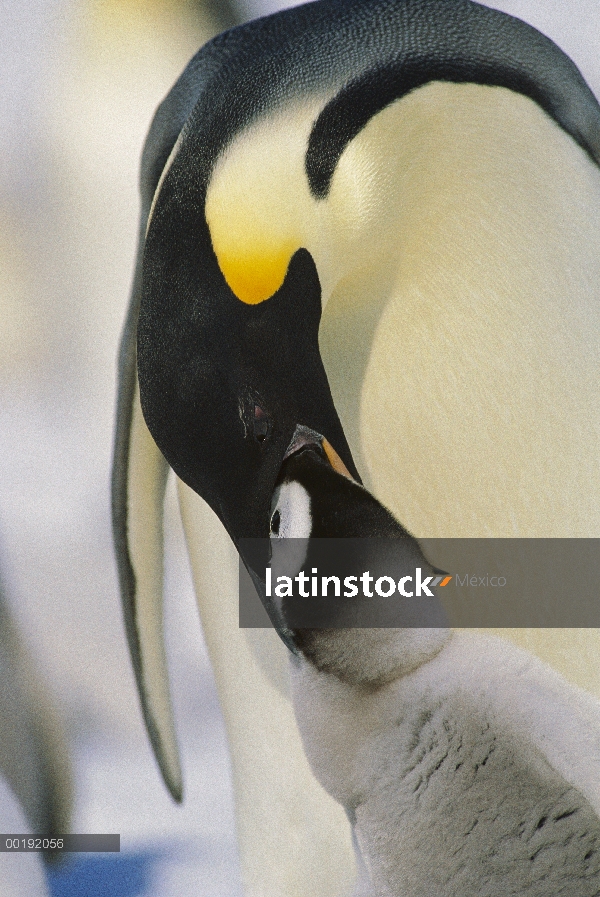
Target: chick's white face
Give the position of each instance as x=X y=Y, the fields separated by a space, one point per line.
x=290 y=520
x=290 y=512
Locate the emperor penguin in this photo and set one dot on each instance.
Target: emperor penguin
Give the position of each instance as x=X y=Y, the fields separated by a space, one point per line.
x=35 y=774
x=465 y=765
x=376 y=220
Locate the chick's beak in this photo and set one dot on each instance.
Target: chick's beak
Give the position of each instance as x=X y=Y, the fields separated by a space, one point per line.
x=305 y=437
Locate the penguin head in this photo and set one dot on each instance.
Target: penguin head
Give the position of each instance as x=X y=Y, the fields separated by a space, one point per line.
x=317 y=499
x=224 y=385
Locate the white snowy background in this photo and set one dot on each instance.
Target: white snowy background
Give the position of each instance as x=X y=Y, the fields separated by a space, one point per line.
x=79 y=82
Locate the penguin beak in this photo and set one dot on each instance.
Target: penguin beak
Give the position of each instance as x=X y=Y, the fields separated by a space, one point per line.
x=304 y=437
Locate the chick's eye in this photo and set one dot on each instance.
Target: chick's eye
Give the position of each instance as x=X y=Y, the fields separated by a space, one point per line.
x=275 y=523
x=260 y=424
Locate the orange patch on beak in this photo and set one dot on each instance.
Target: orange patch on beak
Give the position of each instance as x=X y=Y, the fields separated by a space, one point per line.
x=335 y=460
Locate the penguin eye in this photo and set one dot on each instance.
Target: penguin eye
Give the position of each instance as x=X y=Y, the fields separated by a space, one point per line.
x=261 y=424
x=275 y=521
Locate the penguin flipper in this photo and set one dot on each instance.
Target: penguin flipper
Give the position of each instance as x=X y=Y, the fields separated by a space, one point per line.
x=139 y=547
x=139 y=471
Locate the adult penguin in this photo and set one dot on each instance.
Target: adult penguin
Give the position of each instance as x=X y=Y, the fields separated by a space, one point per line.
x=337 y=232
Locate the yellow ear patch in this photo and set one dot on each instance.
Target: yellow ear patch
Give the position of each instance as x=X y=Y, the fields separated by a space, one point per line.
x=258 y=205
x=254 y=277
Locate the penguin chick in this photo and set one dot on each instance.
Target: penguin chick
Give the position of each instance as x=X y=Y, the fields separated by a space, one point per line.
x=314 y=500
x=466 y=766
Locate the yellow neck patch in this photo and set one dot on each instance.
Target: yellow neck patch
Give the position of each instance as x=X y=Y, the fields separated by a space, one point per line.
x=258 y=204
x=254 y=277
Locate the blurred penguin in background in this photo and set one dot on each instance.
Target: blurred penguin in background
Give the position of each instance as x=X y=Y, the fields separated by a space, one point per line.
x=36 y=787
